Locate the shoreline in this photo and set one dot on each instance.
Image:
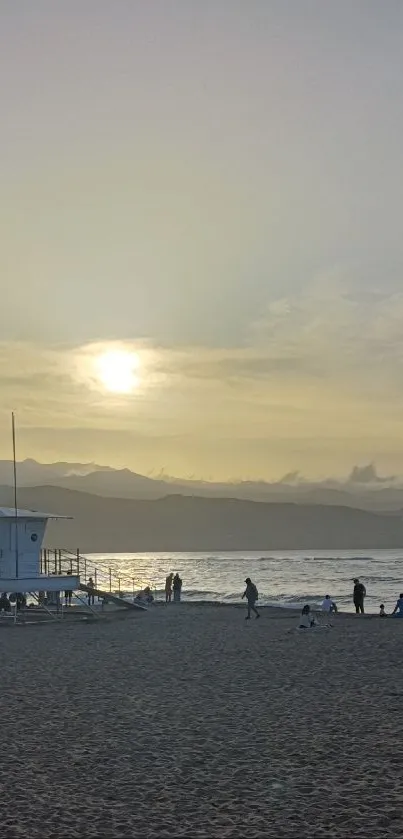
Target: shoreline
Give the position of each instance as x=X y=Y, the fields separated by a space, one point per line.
x=274 y=611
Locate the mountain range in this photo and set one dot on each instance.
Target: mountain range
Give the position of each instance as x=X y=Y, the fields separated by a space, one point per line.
x=191 y=523
x=363 y=488
x=116 y=510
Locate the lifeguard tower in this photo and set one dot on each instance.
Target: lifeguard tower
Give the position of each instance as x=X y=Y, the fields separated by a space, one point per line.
x=21 y=537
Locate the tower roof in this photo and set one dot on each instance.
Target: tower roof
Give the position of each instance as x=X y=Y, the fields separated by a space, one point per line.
x=10 y=513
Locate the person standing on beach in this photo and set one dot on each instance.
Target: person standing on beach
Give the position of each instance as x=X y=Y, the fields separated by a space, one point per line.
x=91 y=587
x=168 y=588
x=68 y=593
x=359 y=594
x=251 y=594
x=177 y=587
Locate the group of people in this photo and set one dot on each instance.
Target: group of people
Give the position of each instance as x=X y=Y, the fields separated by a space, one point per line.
x=397 y=611
x=359 y=595
x=16 y=599
x=173 y=584
x=328 y=606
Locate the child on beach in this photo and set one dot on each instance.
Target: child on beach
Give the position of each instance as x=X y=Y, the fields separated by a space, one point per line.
x=382 y=613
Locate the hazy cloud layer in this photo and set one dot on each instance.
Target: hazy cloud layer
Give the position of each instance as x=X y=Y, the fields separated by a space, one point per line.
x=219 y=186
x=318 y=384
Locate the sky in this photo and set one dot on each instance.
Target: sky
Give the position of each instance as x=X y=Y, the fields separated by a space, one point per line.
x=212 y=193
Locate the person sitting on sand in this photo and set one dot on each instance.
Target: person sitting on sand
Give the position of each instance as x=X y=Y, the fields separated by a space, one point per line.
x=398 y=610
x=5 y=605
x=177 y=587
x=252 y=595
x=144 y=596
x=329 y=606
x=149 y=597
x=307 y=620
x=382 y=613
x=168 y=588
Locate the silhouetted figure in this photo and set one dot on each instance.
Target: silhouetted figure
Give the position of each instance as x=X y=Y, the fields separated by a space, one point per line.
x=148 y=596
x=5 y=605
x=398 y=610
x=168 y=588
x=177 y=587
x=359 y=594
x=382 y=613
x=68 y=594
x=91 y=596
x=252 y=595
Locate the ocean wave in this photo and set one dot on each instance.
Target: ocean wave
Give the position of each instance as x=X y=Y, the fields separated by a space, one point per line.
x=342 y=558
x=283 y=558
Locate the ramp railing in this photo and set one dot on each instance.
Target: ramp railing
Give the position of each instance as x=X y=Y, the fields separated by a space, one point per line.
x=105 y=578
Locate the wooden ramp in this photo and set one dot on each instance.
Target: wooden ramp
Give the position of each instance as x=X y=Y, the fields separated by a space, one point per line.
x=112 y=598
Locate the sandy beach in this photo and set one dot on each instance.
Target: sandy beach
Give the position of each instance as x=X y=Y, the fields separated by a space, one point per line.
x=189 y=721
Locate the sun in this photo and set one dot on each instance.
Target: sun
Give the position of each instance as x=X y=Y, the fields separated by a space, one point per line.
x=116 y=370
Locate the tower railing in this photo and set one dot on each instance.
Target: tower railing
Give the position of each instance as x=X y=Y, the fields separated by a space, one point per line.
x=105 y=578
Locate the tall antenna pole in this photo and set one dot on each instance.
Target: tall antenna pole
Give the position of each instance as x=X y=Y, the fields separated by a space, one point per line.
x=15 y=496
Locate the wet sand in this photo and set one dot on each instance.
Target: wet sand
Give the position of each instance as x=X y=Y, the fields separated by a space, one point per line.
x=189 y=721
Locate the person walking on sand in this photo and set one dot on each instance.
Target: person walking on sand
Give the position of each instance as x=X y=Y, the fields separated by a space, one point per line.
x=252 y=595
x=177 y=587
x=168 y=588
x=359 y=594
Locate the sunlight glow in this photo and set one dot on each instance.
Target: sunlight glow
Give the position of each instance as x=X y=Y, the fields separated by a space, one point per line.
x=116 y=370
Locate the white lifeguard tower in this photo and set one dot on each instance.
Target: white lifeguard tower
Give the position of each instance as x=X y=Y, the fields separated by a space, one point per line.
x=21 y=537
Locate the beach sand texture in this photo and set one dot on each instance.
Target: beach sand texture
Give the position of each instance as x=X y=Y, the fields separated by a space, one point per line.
x=188 y=721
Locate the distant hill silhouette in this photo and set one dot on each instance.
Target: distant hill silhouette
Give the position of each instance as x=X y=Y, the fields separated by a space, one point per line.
x=180 y=523
x=362 y=489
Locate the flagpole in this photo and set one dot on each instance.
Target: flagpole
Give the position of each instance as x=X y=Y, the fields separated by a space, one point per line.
x=15 y=497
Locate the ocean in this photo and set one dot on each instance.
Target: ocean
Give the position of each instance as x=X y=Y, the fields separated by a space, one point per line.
x=287 y=579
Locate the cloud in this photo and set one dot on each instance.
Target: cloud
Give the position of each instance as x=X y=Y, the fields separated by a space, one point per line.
x=315 y=387
x=368 y=475
x=354 y=338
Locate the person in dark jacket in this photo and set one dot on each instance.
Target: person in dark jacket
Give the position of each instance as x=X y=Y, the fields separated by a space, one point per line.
x=5 y=605
x=177 y=587
x=251 y=594
x=68 y=593
x=359 y=594
x=91 y=589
